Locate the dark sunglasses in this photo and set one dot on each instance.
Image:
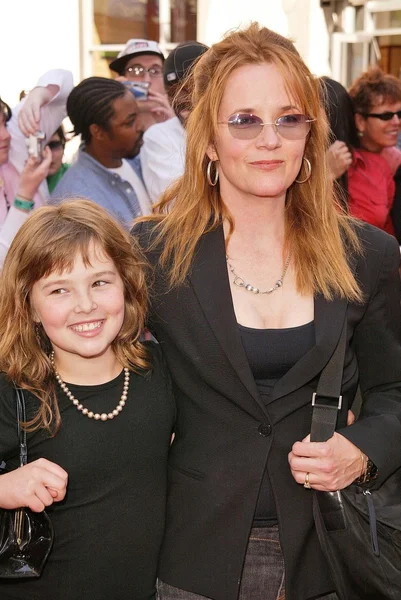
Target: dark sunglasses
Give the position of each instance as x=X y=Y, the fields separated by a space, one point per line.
x=385 y=116
x=246 y=126
x=55 y=145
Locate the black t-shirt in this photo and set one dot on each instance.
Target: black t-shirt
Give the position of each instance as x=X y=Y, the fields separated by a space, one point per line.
x=271 y=353
x=109 y=527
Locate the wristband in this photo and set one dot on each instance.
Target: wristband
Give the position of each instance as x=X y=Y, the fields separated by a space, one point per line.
x=26 y=205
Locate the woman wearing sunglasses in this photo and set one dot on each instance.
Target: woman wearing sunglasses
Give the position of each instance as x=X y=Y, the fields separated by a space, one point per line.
x=57 y=167
x=377 y=103
x=256 y=271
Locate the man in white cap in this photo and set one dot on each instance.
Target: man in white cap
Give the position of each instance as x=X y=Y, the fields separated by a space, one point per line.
x=141 y=61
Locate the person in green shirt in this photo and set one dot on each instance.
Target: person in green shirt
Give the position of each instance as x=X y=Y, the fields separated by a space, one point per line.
x=57 y=166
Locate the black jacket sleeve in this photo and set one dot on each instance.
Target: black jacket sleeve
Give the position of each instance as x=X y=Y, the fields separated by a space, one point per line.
x=376 y=340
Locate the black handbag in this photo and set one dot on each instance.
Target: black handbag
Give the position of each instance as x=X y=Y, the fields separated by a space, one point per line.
x=26 y=537
x=359 y=529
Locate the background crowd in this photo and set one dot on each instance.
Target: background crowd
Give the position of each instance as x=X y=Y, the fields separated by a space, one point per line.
x=132 y=139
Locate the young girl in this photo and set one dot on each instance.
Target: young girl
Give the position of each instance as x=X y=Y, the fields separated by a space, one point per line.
x=100 y=410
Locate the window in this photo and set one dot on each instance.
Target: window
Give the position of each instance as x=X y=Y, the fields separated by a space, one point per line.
x=108 y=24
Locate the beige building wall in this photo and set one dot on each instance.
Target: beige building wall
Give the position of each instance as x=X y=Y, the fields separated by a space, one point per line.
x=29 y=46
x=301 y=20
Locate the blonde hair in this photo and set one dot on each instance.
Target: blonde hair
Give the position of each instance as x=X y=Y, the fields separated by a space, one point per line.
x=49 y=241
x=316 y=229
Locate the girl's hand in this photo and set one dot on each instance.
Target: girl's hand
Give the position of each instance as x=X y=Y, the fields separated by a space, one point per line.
x=33 y=174
x=36 y=485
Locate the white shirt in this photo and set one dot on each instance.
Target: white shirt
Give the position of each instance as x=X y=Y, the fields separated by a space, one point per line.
x=127 y=173
x=163 y=156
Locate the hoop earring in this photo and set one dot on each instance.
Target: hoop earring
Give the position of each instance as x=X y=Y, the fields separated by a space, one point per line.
x=211 y=182
x=37 y=333
x=309 y=171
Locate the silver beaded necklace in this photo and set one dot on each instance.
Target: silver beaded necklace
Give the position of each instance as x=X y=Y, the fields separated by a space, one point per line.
x=240 y=282
x=85 y=411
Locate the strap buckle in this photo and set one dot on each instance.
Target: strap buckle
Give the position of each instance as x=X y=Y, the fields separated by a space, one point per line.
x=329 y=405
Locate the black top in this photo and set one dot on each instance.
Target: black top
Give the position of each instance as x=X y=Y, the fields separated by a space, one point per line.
x=271 y=353
x=109 y=527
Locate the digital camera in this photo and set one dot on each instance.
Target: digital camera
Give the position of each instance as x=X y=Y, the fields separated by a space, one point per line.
x=35 y=144
x=140 y=89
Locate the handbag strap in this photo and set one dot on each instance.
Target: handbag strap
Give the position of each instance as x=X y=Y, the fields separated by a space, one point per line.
x=21 y=418
x=326 y=402
x=327 y=399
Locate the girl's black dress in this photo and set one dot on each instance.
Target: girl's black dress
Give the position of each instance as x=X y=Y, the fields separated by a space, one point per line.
x=109 y=527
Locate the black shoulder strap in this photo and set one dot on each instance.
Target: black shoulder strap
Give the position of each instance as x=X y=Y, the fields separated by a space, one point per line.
x=21 y=418
x=327 y=399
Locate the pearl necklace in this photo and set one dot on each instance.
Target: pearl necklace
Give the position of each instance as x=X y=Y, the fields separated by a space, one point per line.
x=85 y=411
x=240 y=282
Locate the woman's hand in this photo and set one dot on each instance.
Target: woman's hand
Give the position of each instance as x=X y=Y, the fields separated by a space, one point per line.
x=339 y=158
x=36 y=485
x=29 y=115
x=33 y=174
x=331 y=465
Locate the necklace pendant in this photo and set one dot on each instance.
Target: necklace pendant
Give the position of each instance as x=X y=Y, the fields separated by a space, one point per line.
x=239 y=281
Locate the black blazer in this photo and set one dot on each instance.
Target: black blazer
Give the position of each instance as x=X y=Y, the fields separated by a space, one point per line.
x=226 y=436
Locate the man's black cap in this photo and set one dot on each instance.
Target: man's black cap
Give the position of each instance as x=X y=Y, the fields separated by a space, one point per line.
x=180 y=60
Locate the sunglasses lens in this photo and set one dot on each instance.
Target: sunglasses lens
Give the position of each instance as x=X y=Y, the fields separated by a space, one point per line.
x=293 y=127
x=55 y=145
x=244 y=126
x=387 y=116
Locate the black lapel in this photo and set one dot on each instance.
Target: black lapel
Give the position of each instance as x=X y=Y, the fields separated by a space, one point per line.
x=329 y=319
x=210 y=282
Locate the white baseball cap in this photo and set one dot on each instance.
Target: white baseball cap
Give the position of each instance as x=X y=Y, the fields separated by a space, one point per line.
x=133 y=48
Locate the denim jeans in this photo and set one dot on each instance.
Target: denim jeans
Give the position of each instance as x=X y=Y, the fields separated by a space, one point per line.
x=263 y=574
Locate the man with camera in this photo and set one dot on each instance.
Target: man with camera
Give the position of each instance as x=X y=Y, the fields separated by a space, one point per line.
x=140 y=66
